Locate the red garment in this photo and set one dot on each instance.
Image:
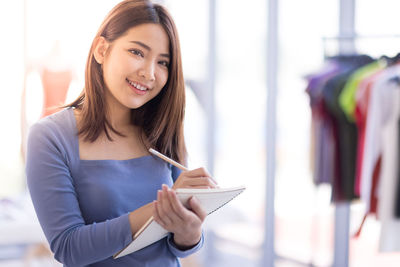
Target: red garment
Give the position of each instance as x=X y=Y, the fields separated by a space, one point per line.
x=360 y=113
x=55 y=88
x=373 y=207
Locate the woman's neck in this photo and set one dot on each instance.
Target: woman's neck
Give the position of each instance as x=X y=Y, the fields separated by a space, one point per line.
x=118 y=115
x=119 y=118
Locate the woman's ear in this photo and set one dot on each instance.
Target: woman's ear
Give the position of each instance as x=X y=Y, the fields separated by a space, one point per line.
x=100 y=49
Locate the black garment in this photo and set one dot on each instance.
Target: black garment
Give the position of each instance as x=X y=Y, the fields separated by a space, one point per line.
x=345 y=131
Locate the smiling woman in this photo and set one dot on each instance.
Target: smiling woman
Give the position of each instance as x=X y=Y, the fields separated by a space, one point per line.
x=92 y=181
x=134 y=71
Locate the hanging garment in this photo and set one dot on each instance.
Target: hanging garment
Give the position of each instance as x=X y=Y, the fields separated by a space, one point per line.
x=347 y=98
x=379 y=110
x=329 y=124
x=349 y=131
x=360 y=115
x=321 y=156
x=385 y=97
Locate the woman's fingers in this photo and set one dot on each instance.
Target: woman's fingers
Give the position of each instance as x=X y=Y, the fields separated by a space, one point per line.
x=197 y=178
x=198 y=182
x=178 y=207
x=198 y=172
x=156 y=214
x=185 y=223
x=197 y=208
x=164 y=208
x=204 y=182
x=183 y=213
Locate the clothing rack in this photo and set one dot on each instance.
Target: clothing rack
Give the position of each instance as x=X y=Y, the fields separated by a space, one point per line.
x=342 y=210
x=357 y=36
x=346 y=46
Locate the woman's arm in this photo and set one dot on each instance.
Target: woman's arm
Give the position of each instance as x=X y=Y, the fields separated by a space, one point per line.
x=73 y=242
x=197 y=178
x=140 y=216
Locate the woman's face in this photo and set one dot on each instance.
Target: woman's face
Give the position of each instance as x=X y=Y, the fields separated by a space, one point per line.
x=135 y=66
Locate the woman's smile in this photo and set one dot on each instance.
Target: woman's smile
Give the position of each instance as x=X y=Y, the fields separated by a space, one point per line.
x=137 y=88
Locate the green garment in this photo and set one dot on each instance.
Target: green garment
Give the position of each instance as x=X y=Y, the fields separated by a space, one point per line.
x=347 y=98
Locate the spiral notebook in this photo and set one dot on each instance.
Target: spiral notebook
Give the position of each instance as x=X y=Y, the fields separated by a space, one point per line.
x=210 y=199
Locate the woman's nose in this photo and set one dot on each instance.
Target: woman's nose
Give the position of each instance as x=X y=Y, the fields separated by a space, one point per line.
x=147 y=71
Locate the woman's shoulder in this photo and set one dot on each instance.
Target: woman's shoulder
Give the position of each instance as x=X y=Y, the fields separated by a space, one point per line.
x=61 y=123
x=60 y=119
x=55 y=133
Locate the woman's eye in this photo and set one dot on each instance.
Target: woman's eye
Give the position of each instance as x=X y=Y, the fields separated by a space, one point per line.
x=136 y=52
x=164 y=63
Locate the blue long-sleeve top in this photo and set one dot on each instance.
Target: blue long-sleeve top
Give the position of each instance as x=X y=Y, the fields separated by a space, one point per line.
x=83 y=205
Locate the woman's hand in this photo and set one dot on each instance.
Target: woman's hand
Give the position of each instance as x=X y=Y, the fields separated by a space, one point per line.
x=184 y=223
x=197 y=178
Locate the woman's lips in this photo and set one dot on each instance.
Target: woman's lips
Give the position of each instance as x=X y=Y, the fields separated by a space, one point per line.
x=137 y=88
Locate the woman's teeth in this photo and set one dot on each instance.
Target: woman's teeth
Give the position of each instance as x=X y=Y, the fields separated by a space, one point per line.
x=137 y=86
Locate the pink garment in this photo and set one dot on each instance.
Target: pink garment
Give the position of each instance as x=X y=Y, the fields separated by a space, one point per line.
x=379 y=111
x=387 y=192
x=55 y=88
x=361 y=111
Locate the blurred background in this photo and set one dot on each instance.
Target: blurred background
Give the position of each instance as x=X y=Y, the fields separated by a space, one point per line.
x=248 y=119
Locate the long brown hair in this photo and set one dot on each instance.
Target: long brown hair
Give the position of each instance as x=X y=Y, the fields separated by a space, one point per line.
x=160 y=119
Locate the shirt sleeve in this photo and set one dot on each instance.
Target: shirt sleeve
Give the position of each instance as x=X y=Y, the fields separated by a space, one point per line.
x=183 y=253
x=175 y=172
x=56 y=204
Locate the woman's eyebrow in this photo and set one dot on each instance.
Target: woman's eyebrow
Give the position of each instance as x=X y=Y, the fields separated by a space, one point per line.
x=145 y=46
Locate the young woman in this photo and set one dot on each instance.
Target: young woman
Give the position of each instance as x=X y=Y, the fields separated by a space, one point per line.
x=92 y=181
